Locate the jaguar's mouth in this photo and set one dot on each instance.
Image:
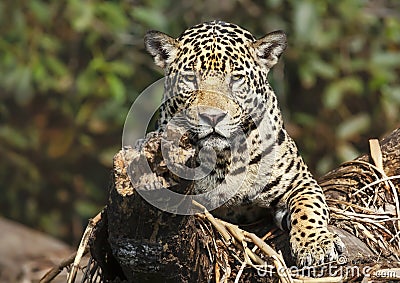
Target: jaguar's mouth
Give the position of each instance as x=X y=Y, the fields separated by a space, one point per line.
x=215 y=141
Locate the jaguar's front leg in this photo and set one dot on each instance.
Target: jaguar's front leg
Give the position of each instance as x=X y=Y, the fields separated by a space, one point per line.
x=307 y=218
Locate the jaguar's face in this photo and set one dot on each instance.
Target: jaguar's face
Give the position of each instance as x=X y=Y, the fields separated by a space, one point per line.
x=216 y=78
x=211 y=118
x=208 y=105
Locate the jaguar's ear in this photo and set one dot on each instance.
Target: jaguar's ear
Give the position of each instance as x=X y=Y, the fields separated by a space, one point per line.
x=270 y=47
x=162 y=47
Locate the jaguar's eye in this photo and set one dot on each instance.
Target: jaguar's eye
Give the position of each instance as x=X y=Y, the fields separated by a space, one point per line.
x=236 y=78
x=190 y=78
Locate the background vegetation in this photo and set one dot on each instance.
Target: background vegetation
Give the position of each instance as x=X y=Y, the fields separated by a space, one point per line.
x=70 y=69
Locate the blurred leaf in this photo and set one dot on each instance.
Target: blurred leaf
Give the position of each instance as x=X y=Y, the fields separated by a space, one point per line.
x=121 y=68
x=85 y=82
x=381 y=77
x=323 y=69
x=150 y=17
x=39 y=73
x=347 y=152
x=304 y=119
x=116 y=86
x=41 y=10
x=273 y=3
x=86 y=141
x=392 y=93
x=49 y=43
x=84 y=113
x=60 y=142
x=13 y=137
x=23 y=87
x=307 y=76
x=387 y=59
x=393 y=29
x=353 y=126
x=335 y=92
x=82 y=13
x=305 y=18
x=26 y=167
x=332 y=96
x=55 y=66
x=113 y=14
x=85 y=208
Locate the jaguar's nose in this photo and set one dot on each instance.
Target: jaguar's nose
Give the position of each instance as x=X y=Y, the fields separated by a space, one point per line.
x=212 y=118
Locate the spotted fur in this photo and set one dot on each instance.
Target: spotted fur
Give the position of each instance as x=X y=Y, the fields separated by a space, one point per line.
x=216 y=73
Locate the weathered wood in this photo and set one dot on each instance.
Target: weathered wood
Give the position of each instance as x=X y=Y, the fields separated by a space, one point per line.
x=147 y=243
x=140 y=243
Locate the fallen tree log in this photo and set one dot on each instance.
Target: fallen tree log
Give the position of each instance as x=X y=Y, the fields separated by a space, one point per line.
x=136 y=242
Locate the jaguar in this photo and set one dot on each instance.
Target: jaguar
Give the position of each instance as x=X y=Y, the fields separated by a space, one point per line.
x=216 y=74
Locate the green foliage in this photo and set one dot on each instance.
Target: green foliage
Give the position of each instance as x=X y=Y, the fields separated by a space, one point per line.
x=70 y=69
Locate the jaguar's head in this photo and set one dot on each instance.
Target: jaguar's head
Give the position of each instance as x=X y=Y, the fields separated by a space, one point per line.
x=216 y=78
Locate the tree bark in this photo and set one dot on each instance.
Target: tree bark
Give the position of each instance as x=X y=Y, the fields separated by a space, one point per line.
x=137 y=242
